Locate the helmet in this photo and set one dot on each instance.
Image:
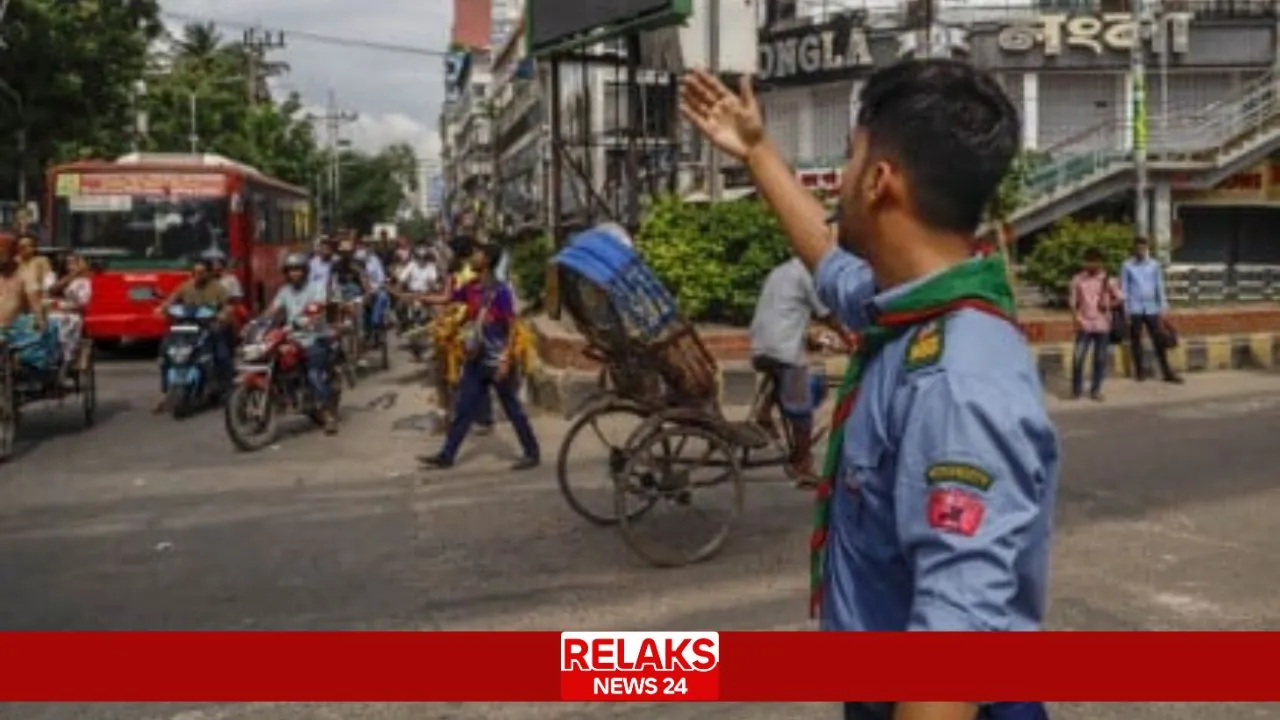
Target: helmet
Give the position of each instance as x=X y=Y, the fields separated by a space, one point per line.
x=294 y=260
x=214 y=255
x=421 y=252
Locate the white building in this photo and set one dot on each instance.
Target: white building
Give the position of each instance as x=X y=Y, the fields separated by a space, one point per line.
x=1067 y=70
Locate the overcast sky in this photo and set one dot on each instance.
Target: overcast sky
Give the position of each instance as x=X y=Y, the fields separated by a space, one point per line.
x=397 y=95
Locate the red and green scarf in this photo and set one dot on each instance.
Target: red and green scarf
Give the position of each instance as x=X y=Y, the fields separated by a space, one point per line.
x=981 y=284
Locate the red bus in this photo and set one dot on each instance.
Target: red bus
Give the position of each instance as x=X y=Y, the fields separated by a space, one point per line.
x=142 y=219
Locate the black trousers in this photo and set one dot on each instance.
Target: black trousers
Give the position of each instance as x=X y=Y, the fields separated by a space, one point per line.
x=1152 y=324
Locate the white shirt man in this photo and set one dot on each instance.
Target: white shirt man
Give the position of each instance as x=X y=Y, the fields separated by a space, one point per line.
x=419 y=276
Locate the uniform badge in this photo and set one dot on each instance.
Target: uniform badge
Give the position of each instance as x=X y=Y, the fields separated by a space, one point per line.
x=959 y=474
x=926 y=345
x=955 y=511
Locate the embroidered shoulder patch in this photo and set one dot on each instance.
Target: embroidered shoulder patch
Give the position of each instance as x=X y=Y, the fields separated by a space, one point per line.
x=955 y=511
x=959 y=473
x=926 y=345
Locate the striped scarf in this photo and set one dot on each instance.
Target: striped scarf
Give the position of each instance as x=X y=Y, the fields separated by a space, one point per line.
x=980 y=284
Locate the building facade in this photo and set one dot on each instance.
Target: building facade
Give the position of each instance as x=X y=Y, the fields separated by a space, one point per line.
x=1066 y=65
x=520 y=134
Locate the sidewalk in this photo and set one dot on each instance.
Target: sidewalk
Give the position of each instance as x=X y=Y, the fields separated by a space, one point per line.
x=1123 y=392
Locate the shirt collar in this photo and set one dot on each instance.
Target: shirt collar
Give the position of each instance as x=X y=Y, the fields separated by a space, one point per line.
x=876 y=305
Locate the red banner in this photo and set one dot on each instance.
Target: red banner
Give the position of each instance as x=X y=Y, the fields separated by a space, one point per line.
x=812 y=666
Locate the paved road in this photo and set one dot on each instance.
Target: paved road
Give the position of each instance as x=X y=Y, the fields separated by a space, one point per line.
x=142 y=522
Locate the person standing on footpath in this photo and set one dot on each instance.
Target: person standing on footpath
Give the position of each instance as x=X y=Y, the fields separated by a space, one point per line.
x=1093 y=296
x=1145 y=303
x=937 y=499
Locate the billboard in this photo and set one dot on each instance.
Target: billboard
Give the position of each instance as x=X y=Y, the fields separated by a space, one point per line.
x=566 y=24
x=678 y=48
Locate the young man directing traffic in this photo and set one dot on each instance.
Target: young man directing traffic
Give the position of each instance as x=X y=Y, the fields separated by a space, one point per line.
x=937 y=496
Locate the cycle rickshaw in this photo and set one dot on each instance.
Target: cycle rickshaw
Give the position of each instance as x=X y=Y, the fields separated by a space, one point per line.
x=34 y=370
x=657 y=371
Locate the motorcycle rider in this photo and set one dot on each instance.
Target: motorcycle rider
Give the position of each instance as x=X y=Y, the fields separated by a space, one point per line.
x=320 y=266
x=420 y=275
x=289 y=305
x=348 y=279
x=218 y=269
x=202 y=290
x=235 y=291
x=376 y=279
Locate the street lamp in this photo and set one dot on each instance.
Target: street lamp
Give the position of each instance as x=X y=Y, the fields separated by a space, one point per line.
x=193 y=136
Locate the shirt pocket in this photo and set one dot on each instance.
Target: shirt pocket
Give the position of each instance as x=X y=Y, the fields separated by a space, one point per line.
x=868 y=479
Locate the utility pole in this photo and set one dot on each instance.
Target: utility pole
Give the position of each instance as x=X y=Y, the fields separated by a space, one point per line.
x=257 y=43
x=194 y=135
x=333 y=120
x=714 y=187
x=1138 y=77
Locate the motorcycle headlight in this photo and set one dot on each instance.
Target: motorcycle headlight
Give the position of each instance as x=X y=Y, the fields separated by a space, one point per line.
x=180 y=353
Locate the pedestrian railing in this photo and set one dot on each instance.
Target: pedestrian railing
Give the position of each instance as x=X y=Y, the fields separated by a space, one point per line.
x=1210 y=284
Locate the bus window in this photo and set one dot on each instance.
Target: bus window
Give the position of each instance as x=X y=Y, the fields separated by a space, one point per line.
x=284 y=217
x=142 y=227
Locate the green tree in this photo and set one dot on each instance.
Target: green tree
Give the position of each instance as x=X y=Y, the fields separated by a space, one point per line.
x=201 y=69
x=66 y=81
x=418 y=227
x=1058 y=255
x=375 y=187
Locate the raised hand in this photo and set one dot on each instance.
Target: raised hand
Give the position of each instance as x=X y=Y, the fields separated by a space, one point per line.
x=731 y=122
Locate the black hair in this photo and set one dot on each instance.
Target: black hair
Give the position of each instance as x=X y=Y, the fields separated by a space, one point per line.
x=1140 y=241
x=951 y=130
x=492 y=253
x=462 y=244
x=1092 y=255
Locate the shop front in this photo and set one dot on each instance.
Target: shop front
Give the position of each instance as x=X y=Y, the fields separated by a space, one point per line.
x=1068 y=73
x=1235 y=223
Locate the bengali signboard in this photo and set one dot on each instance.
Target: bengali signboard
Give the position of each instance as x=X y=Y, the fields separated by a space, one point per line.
x=1260 y=183
x=141 y=184
x=1096 y=34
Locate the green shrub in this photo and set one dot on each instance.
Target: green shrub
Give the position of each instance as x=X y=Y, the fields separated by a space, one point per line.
x=1058 y=255
x=712 y=257
x=1012 y=189
x=529 y=269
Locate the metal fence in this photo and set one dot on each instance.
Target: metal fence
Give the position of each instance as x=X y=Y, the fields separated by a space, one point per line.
x=1216 y=284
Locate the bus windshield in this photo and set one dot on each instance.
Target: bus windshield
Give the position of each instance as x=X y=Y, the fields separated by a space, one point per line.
x=141 y=230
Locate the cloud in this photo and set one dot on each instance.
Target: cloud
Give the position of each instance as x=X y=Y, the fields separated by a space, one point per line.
x=397 y=95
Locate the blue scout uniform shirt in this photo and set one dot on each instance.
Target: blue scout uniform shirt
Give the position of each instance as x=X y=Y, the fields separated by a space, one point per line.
x=1142 y=285
x=943 y=503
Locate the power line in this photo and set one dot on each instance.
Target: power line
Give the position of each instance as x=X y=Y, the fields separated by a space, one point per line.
x=311 y=36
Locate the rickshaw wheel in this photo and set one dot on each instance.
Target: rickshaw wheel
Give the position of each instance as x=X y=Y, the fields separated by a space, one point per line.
x=8 y=405
x=87 y=385
x=672 y=468
x=600 y=513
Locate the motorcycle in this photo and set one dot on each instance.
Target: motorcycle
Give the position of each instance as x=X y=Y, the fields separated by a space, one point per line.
x=189 y=363
x=271 y=378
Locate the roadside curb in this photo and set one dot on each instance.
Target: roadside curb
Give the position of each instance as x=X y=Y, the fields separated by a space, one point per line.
x=1254 y=351
x=562 y=391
